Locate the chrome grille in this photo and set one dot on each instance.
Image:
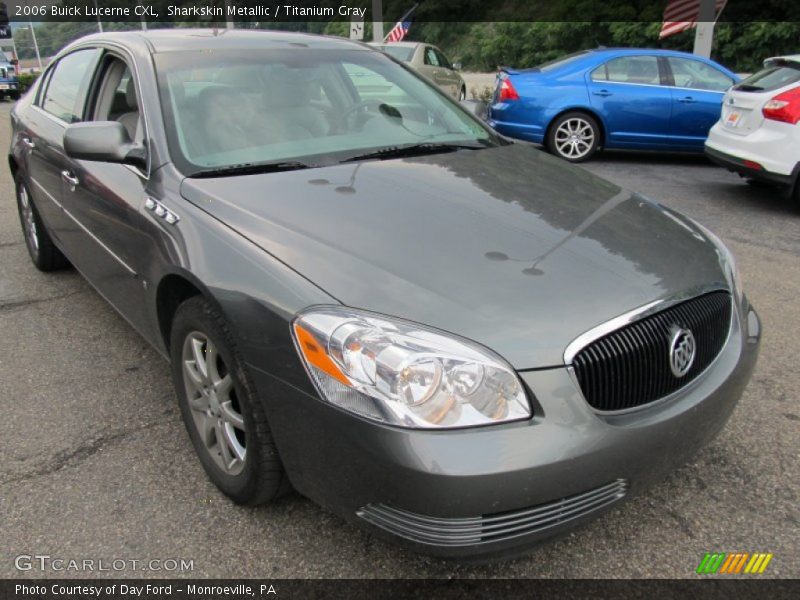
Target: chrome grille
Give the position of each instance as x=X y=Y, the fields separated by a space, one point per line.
x=495 y=527
x=630 y=367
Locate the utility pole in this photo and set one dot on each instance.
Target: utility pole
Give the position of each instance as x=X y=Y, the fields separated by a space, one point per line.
x=99 y=24
x=377 y=20
x=704 y=32
x=229 y=24
x=35 y=46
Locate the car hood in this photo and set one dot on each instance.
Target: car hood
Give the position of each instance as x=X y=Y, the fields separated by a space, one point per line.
x=507 y=246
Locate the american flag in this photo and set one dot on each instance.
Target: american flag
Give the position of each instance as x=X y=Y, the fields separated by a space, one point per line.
x=680 y=15
x=399 y=31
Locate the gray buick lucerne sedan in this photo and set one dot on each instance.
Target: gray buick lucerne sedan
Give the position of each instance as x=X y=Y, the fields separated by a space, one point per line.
x=454 y=340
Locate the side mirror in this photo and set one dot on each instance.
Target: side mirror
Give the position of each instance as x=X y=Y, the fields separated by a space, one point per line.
x=103 y=141
x=477 y=108
x=456 y=66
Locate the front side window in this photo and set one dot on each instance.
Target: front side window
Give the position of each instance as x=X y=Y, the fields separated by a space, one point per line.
x=697 y=75
x=66 y=89
x=314 y=106
x=117 y=99
x=629 y=69
x=443 y=60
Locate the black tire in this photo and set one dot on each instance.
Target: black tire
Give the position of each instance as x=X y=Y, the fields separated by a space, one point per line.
x=262 y=477
x=14 y=96
x=583 y=122
x=462 y=94
x=43 y=252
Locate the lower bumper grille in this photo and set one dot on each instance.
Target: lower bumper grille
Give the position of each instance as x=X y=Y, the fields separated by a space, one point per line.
x=495 y=527
x=630 y=367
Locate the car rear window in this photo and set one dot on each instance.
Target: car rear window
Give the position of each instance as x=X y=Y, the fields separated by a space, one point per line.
x=773 y=77
x=403 y=53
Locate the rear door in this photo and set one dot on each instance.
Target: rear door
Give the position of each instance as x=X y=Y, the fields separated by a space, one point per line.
x=628 y=94
x=59 y=100
x=697 y=90
x=741 y=109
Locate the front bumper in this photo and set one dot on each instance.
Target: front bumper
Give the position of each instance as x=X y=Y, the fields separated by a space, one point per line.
x=527 y=480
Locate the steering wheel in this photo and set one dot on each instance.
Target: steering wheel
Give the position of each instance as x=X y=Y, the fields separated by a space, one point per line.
x=363 y=104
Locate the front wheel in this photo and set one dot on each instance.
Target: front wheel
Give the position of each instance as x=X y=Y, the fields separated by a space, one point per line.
x=462 y=94
x=574 y=136
x=225 y=418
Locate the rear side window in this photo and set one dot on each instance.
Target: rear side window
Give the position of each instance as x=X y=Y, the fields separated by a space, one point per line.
x=629 y=69
x=771 y=78
x=66 y=89
x=696 y=75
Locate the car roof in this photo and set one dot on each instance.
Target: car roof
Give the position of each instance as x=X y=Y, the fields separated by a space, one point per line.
x=184 y=39
x=788 y=57
x=658 y=51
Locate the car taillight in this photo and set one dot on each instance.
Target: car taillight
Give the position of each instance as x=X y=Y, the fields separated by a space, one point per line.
x=784 y=107
x=507 y=91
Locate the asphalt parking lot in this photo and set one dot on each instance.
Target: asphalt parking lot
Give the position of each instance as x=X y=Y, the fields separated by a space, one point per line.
x=95 y=462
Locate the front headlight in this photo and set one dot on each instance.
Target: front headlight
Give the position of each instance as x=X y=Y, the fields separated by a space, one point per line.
x=405 y=374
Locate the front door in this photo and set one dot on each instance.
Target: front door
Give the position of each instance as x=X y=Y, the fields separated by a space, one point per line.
x=696 y=100
x=106 y=200
x=627 y=93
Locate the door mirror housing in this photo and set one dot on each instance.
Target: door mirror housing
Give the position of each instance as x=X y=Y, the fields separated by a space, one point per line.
x=456 y=66
x=477 y=108
x=103 y=141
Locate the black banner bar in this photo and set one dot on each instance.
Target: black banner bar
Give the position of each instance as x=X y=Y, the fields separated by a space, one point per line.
x=264 y=12
x=249 y=589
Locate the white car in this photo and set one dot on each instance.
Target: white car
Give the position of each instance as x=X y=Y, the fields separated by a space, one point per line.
x=758 y=134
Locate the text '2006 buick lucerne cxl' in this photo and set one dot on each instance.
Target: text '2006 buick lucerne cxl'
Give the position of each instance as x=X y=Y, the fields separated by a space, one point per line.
x=368 y=296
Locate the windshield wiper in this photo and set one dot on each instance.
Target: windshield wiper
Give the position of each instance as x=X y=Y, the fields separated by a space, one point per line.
x=414 y=150
x=746 y=87
x=252 y=168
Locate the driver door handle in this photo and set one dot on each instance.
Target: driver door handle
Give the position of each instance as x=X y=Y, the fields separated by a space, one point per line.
x=603 y=93
x=28 y=142
x=70 y=179
x=687 y=100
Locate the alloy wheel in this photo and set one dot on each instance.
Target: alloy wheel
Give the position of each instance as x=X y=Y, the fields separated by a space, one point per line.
x=212 y=399
x=574 y=138
x=28 y=220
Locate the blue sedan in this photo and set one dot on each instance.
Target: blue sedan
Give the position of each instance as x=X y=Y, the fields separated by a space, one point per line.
x=625 y=98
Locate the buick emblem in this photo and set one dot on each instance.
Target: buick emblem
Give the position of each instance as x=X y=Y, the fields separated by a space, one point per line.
x=682 y=349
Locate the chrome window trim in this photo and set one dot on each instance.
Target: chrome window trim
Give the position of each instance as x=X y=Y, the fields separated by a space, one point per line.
x=594 y=334
x=667 y=87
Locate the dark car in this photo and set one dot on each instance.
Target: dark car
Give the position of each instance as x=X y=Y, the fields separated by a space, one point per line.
x=452 y=339
x=617 y=98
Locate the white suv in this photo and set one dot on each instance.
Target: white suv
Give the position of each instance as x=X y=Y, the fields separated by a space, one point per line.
x=758 y=134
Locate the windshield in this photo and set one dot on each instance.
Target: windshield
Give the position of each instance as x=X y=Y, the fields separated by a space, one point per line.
x=309 y=107
x=402 y=53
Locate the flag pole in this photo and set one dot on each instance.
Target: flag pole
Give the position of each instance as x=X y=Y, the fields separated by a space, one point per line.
x=704 y=32
x=405 y=16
